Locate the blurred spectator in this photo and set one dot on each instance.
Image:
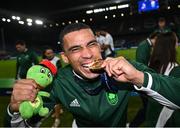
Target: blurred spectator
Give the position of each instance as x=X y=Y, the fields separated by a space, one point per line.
x=108 y=45
x=163 y=60
x=49 y=54
x=162 y=26
x=143 y=51
x=25 y=59
x=143 y=54
x=101 y=40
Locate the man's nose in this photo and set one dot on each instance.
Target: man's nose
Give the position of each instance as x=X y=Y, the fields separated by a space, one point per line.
x=87 y=53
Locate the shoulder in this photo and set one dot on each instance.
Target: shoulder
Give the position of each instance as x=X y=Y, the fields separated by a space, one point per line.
x=29 y=51
x=63 y=78
x=144 y=44
x=64 y=72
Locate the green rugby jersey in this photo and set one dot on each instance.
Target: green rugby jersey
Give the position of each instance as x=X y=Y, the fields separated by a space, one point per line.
x=97 y=110
x=24 y=61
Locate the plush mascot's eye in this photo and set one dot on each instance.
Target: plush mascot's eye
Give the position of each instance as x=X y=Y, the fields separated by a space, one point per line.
x=42 y=70
x=49 y=75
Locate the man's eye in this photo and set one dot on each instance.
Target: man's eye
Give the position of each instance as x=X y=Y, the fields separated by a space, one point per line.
x=92 y=44
x=42 y=70
x=75 y=49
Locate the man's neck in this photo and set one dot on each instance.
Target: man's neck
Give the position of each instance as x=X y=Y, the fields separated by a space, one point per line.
x=83 y=78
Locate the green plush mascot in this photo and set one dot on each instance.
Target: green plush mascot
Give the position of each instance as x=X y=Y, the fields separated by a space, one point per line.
x=43 y=76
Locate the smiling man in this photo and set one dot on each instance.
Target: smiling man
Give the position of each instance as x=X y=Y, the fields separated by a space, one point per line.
x=95 y=99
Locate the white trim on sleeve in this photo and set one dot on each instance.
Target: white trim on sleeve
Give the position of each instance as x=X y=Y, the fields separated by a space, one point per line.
x=155 y=95
x=8 y=111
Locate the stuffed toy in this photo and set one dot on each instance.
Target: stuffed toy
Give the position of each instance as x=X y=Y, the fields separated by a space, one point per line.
x=43 y=76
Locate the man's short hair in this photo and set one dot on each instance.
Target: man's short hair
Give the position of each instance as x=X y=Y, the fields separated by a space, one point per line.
x=20 y=42
x=162 y=19
x=71 y=28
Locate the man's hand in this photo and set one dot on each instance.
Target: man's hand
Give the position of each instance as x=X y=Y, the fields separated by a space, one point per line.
x=25 y=89
x=121 y=70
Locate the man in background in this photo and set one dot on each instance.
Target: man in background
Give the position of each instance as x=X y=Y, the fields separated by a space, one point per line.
x=108 y=45
x=25 y=59
x=144 y=49
x=162 y=26
x=101 y=40
x=48 y=53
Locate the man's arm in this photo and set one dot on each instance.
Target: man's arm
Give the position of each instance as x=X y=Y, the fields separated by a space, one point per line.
x=160 y=87
x=24 y=89
x=164 y=89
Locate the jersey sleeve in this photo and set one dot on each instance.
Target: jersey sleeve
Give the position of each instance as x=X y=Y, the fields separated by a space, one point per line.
x=164 y=89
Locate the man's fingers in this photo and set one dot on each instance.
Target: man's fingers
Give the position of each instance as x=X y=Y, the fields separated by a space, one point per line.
x=27 y=81
x=117 y=72
x=116 y=67
x=25 y=89
x=25 y=94
x=108 y=70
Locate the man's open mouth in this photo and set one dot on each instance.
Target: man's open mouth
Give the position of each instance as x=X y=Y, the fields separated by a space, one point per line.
x=95 y=65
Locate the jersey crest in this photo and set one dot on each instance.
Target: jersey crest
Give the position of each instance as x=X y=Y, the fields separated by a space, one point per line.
x=112 y=98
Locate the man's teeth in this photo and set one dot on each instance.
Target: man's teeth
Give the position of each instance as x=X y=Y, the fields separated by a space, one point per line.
x=87 y=65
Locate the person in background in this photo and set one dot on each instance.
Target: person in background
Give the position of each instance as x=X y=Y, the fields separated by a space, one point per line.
x=143 y=54
x=108 y=45
x=49 y=54
x=25 y=59
x=101 y=40
x=94 y=98
x=163 y=61
x=162 y=26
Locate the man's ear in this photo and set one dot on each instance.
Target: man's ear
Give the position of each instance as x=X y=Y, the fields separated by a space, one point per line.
x=64 y=57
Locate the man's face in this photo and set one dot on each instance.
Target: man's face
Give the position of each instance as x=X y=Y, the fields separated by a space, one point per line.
x=162 y=24
x=81 y=48
x=49 y=54
x=20 y=48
